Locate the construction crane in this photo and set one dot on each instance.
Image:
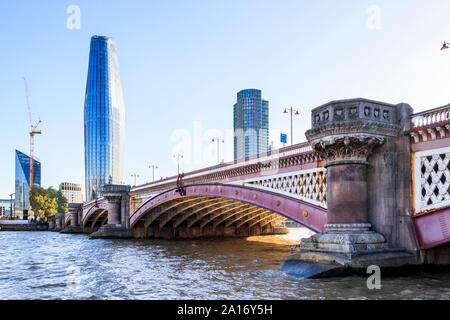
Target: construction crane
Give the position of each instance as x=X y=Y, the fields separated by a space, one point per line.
x=33 y=132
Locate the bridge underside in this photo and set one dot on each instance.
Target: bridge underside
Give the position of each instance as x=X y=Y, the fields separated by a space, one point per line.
x=205 y=216
x=221 y=210
x=95 y=220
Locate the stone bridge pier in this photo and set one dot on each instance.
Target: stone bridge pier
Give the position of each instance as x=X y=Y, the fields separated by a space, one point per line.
x=72 y=220
x=118 y=201
x=368 y=165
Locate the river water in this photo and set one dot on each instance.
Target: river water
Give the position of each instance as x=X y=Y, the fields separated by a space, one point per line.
x=47 y=265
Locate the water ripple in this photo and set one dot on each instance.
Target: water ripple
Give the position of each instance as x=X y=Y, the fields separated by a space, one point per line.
x=46 y=265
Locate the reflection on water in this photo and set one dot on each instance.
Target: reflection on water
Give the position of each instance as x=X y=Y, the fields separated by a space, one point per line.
x=45 y=265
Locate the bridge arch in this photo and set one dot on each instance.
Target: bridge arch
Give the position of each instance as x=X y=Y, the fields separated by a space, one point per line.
x=67 y=220
x=96 y=216
x=206 y=208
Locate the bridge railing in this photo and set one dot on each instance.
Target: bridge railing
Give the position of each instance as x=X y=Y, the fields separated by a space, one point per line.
x=430 y=158
x=430 y=118
x=431 y=179
x=301 y=148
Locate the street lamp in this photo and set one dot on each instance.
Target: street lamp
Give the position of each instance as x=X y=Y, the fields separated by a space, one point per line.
x=178 y=156
x=134 y=175
x=445 y=45
x=291 y=110
x=153 y=169
x=218 y=140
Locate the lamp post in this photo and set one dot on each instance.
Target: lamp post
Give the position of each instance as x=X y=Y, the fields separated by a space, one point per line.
x=153 y=170
x=134 y=175
x=291 y=110
x=445 y=45
x=218 y=140
x=178 y=156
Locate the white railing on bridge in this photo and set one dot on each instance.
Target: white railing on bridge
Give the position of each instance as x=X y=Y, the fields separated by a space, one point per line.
x=431 y=179
x=307 y=185
x=431 y=117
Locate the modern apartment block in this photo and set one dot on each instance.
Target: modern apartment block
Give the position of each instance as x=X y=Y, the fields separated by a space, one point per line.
x=72 y=192
x=251 y=124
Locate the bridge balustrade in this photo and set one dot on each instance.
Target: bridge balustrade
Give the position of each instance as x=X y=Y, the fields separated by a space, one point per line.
x=307 y=185
x=431 y=117
x=431 y=179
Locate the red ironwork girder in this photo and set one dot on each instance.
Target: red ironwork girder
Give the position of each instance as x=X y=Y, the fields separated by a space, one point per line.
x=432 y=227
x=304 y=213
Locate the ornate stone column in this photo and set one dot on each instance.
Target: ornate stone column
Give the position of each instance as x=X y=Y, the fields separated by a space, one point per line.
x=346 y=157
x=74 y=226
x=113 y=208
x=345 y=133
x=74 y=218
x=116 y=195
x=58 y=222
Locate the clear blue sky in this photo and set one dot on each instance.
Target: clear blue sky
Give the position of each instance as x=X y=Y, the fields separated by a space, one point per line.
x=184 y=61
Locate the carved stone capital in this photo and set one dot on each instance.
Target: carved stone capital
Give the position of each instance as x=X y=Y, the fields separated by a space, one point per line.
x=340 y=149
x=113 y=198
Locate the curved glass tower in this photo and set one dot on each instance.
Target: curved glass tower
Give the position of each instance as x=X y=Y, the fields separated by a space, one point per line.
x=104 y=118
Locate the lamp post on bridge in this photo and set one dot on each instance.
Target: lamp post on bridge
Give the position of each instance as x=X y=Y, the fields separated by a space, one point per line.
x=153 y=170
x=291 y=111
x=178 y=156
x=134 y=175
x=218 y=140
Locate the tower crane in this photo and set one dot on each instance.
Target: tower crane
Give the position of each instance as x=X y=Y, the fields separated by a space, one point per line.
x=33 y=132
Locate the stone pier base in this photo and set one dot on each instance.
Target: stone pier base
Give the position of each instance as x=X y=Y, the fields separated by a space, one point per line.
x=111 y=231
x=321 y=265
x=72 y=229
x=345 y=249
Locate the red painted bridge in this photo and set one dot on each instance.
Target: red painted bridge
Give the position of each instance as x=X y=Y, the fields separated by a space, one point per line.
x=253 y=196
x=250 y=197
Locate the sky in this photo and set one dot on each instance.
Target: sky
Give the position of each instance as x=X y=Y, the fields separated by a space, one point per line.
x=183 y=62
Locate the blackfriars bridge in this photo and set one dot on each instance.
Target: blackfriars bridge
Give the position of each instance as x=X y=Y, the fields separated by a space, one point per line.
x=373 y=182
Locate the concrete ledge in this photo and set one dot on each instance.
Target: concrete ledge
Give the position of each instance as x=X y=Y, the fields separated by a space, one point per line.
x=321 y=265
x=72 y=229
x=23 y=227
x=111 y=231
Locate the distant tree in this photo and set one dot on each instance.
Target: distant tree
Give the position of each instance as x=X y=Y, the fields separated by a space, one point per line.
x=43 y=203
x=60 y=199
x=47 y=202
x=34 y=193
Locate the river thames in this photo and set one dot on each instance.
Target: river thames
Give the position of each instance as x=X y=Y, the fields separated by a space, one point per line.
x=47 y=265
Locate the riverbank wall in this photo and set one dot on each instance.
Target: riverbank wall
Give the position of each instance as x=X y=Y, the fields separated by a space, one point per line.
x=21 y=225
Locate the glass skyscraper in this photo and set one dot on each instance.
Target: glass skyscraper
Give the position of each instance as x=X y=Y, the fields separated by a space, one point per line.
x=22 y=181
x=251 y=124
x=104 y=118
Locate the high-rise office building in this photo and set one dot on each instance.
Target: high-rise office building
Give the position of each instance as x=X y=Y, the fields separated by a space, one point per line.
x=251 y=124
x=22 y=181
x=72 y=192
x=104 y=118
